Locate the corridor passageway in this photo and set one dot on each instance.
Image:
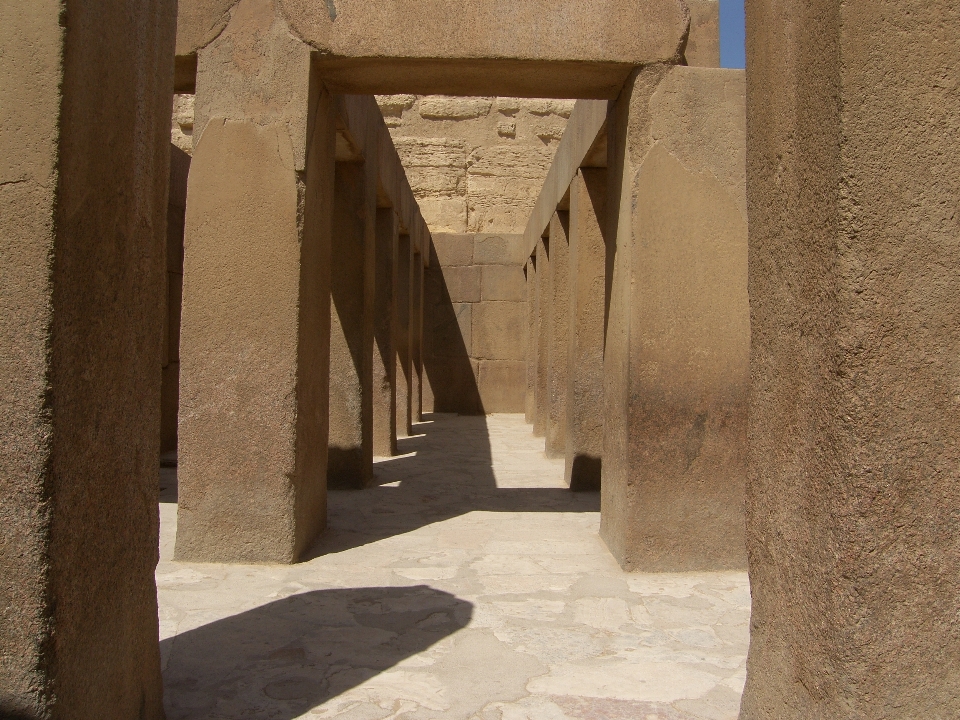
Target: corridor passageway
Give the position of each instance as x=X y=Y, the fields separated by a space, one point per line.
x=467 y=582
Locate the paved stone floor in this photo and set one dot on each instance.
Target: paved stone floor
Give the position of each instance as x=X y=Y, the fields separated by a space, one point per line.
x=467 y=583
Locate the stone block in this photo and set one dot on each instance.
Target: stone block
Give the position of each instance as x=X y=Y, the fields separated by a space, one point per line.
x=462 y=283
x=503 y=282
x=453 y=249
x=498 y=330
x=438 y=107
x=503 y=385
x=453 y=384
x=448 y=330
x=703 y=43
x=499 y=249
x=444 y=214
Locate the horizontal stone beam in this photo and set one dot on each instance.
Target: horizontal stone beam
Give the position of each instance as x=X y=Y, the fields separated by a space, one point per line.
x=534 y=48
x=354 y=113
x=578 y=148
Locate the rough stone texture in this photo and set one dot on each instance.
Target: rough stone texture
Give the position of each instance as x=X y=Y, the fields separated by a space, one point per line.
x=81 y=313
x=853 y=192
x=404 y=310
x=551 y=48
x=468 y=170
x=170 y=383
x=533 y=333
x=544 y=291
x=469 y=583
x=353 y=244
x=557 y=317
x=181 y=127
x=587 y=322
x=703 y=43
x=676 y=360
x=416 y=341
x=385 y=320
x=474 y=311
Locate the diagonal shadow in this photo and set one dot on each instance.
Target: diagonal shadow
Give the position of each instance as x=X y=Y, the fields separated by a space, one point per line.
x=282 y=659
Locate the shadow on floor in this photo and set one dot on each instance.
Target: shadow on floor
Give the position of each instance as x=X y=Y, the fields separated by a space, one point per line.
x=282 y=659
x=445 y=471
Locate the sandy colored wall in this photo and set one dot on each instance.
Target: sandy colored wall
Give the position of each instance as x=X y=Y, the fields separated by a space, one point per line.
x=476 y=165
x=474 y=316
x=853 y=488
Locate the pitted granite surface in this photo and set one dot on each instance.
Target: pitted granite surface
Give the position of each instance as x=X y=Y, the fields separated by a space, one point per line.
x=468 y=582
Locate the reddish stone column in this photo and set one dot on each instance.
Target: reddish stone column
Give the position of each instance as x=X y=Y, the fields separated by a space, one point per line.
x=587 y=320
x=558 y=321
x=404 y=310
x=543 y=295
x=254 y=351
x=532 y=333
x=385 y=320
x=416 y=340
x=353 y=244
x=81 y=290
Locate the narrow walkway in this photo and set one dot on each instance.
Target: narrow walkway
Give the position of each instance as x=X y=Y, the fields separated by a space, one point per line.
x=469 y=584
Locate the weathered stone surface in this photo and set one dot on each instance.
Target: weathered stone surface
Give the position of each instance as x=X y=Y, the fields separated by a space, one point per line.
x=402 y=338
x=352 y=289
x=454 y=108
x=462 y=283
x=543 y=299
x=81 y=291
x=497 y=330
x=533 y=334
x=499 y=249
x=255 y=343
x=587 y=322
x=503 y=282
x=502 y=385
x=450 y=331
x=703 y=43
x=385 y=320
x=558 y=324
x=677 y=346
x=453 y=249
x=853 y=486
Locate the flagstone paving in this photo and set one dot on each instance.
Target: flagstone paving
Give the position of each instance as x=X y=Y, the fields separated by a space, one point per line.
x=468 y=582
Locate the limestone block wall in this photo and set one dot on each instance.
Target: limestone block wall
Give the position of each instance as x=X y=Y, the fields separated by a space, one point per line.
x=476 y=164
x=474 y=315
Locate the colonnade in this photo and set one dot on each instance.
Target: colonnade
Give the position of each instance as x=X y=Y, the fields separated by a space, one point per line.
x=638 y=320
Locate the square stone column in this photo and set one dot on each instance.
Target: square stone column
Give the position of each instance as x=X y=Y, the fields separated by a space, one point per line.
x=676 y=361
x=85 y=102
x=254 y=353
x=404 y=311
x=532 y=333
x=853 y=502
x=384 y=328
x=416 y=340
x=353 y=244
x=587 y=322
x=558 y=321
x=542 y=406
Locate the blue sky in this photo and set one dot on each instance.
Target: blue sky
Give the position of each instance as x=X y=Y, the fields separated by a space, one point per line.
x=731 y=34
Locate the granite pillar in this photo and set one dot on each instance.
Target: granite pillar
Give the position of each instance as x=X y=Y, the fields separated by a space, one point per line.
x=353 y=244
x=558 y=321
x=543 y=306
x=385 y=320
x=85 y=102
x=254 y=352
x=587 y=322
x=402 y=340
x=853 y=496
x=676 y=362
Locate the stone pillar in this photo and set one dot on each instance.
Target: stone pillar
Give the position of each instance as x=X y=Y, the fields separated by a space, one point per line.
x=254 y=352
x=353 y=244
x=853 y=492
x=678 y=336
x=587 y=318
x=385 y=319
x=533 y=330
x=82 y=234
x=416 y=340
x=558 y=320
x=543 y=294
x=404 y=307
